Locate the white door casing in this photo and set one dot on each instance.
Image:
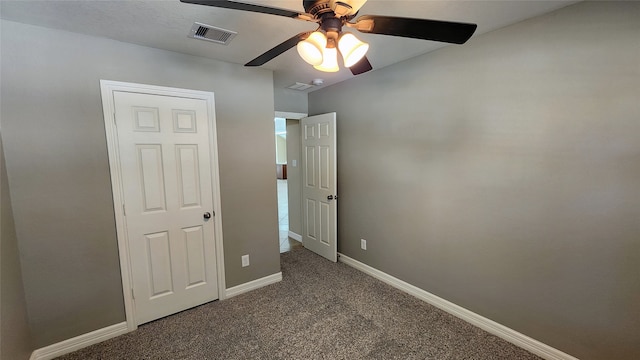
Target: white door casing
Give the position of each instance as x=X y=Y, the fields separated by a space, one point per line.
x=319 y=187
x=162 y=147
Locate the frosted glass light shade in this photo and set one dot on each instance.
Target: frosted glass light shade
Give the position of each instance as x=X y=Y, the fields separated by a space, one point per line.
x=352 y=49
x=311 y=48
x=329 y=61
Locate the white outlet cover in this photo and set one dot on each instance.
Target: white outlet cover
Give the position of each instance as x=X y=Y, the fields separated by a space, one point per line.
x=245 y=260
x=294 y=163
x=363 y=244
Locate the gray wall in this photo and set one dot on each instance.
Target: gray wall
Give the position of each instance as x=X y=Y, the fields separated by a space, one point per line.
x=57 y=165
x=294 y=175
x=288 y=100
x=15 y=341
x=504 y=175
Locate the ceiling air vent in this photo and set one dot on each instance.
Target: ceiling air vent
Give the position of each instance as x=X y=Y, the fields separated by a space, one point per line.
x=211 y=33
x=299 y=86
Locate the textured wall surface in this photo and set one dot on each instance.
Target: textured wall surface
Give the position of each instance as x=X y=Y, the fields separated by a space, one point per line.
x=15 y=340
x=290 y=100
x=504 y=175
x=57 y=165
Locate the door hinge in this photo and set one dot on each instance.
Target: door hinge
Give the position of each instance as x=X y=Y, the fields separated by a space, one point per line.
x=124 y=212
x=114 y=120
x=133 y=296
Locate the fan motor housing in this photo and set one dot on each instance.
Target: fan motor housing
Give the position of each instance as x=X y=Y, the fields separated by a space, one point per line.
x=331 y=24
x=316 y=7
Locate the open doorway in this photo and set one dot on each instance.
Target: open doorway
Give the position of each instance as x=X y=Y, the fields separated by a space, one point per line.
x=287 y=138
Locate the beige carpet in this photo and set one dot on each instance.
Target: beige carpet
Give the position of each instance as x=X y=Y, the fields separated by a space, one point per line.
x=320 y=310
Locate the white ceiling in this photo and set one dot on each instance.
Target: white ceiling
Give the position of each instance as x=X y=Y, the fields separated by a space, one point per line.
x=165 y=24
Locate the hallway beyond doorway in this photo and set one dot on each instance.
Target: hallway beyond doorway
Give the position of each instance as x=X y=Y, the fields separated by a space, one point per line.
x=286 y=243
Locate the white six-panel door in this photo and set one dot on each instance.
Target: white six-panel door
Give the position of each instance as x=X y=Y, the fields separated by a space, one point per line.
x=165 y=165
x=319 y=185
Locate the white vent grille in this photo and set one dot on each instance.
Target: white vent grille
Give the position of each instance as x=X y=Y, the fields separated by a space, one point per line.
x=299 y=86
x=211 y=33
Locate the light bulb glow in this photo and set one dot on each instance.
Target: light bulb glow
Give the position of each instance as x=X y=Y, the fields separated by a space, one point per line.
x=352 y=49
x=311 y=48
x=329 y=61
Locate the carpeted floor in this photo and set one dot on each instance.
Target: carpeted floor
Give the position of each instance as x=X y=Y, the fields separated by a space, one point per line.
x=320 y=310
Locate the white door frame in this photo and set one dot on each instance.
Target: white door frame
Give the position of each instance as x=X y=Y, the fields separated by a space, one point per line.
x=290 y=115
x=107 y=88
x=294 y=116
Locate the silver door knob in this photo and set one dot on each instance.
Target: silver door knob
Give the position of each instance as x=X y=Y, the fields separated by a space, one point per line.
x=207 y=215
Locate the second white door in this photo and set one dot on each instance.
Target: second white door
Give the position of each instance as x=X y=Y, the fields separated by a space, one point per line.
x=319 y=185
x=166 y=169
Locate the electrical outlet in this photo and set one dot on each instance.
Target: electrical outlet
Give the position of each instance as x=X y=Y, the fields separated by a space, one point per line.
x=245 y=260
x=363 y=244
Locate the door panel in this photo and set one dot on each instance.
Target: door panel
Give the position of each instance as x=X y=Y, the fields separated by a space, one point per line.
x=167 y=186
x=151 y=173
x=310 y=167
x=159 y=264
x=188 y=175
x=196 y=265
x=324 y=168
x=319 y=190
x=310 y=215
x=325 y=223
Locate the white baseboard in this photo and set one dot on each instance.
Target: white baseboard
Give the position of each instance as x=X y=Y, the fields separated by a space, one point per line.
x=79 y=342
x=94 y=337
x=510 y=335
x=295 y=236
x=252 y=285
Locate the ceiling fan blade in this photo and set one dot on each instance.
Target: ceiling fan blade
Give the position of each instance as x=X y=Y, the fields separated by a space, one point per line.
x=445 y=31
x=278 y=49
x=361 y=66
x=251 y=7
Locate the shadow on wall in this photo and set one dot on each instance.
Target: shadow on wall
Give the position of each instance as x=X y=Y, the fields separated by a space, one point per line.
x=14 y=331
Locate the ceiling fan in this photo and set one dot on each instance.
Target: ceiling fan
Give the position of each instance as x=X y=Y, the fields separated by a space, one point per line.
x=320 y=47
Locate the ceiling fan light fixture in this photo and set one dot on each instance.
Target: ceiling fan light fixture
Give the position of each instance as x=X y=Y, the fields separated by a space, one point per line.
x=352 y=49
x=311 y=48
x=320 y=48
x=329 y=60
